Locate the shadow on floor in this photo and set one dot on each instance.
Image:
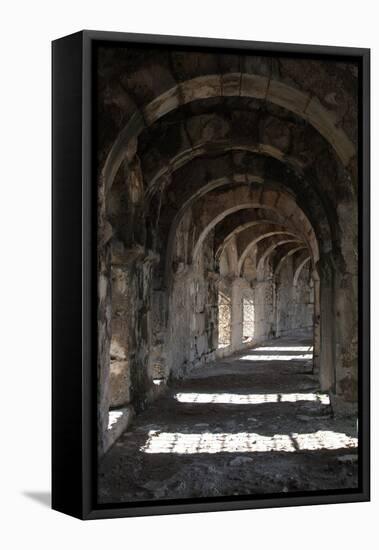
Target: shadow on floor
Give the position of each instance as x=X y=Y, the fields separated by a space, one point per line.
x=42 y=497
x=235 y=427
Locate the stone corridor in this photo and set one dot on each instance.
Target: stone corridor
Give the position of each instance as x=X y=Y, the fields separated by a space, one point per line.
x=251 y=423
x=227 y=223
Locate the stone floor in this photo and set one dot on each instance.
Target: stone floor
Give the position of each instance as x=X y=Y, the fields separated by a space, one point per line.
x=251 y=424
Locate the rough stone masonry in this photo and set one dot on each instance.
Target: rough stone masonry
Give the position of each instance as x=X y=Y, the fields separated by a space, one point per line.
x=227 y=201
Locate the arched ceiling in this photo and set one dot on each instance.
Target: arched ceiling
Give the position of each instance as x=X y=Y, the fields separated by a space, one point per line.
x=286 y=253
x=247 y=233
x=301 y=264
x=232 y=199
x=284 y=234
x=266 y=250
x=244 y=146
x=254 y=86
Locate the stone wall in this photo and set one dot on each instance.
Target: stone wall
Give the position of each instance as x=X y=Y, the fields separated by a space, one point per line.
x=294 y=303
x=192 y=337
x=232 y=174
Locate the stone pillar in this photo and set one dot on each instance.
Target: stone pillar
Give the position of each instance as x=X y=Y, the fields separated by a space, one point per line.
x=346 y=300
x=158 y=335
x=119 y=378
x=237 y=315
x=275 y=309
x=316 y=324
x=346 y=303
x=327 y=326
x=104 y=313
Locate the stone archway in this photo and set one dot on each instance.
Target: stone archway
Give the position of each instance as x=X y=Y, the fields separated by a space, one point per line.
x=193 y=163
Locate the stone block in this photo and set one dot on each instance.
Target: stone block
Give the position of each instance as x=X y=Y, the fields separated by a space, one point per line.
x=254 y=86
x=119 y=383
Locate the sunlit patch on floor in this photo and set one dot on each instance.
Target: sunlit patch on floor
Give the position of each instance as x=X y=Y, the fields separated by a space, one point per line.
x=259 y=357
x=285 y=348
x=251 y=398
x=113 y=418
x=244 y=442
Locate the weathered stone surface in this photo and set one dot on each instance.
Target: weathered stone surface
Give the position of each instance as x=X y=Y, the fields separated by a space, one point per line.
x=119 y=383
x=118 y=422
x=202 y=438
x=227 y=215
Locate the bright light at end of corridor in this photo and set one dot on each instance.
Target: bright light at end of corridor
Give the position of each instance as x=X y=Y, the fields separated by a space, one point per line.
x=251 y=398
x=183 y=443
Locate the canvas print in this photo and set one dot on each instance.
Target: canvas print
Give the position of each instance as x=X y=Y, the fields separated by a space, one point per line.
x=227 y=269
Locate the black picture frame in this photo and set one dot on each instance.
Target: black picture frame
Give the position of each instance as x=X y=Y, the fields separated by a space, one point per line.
x=74 y=279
